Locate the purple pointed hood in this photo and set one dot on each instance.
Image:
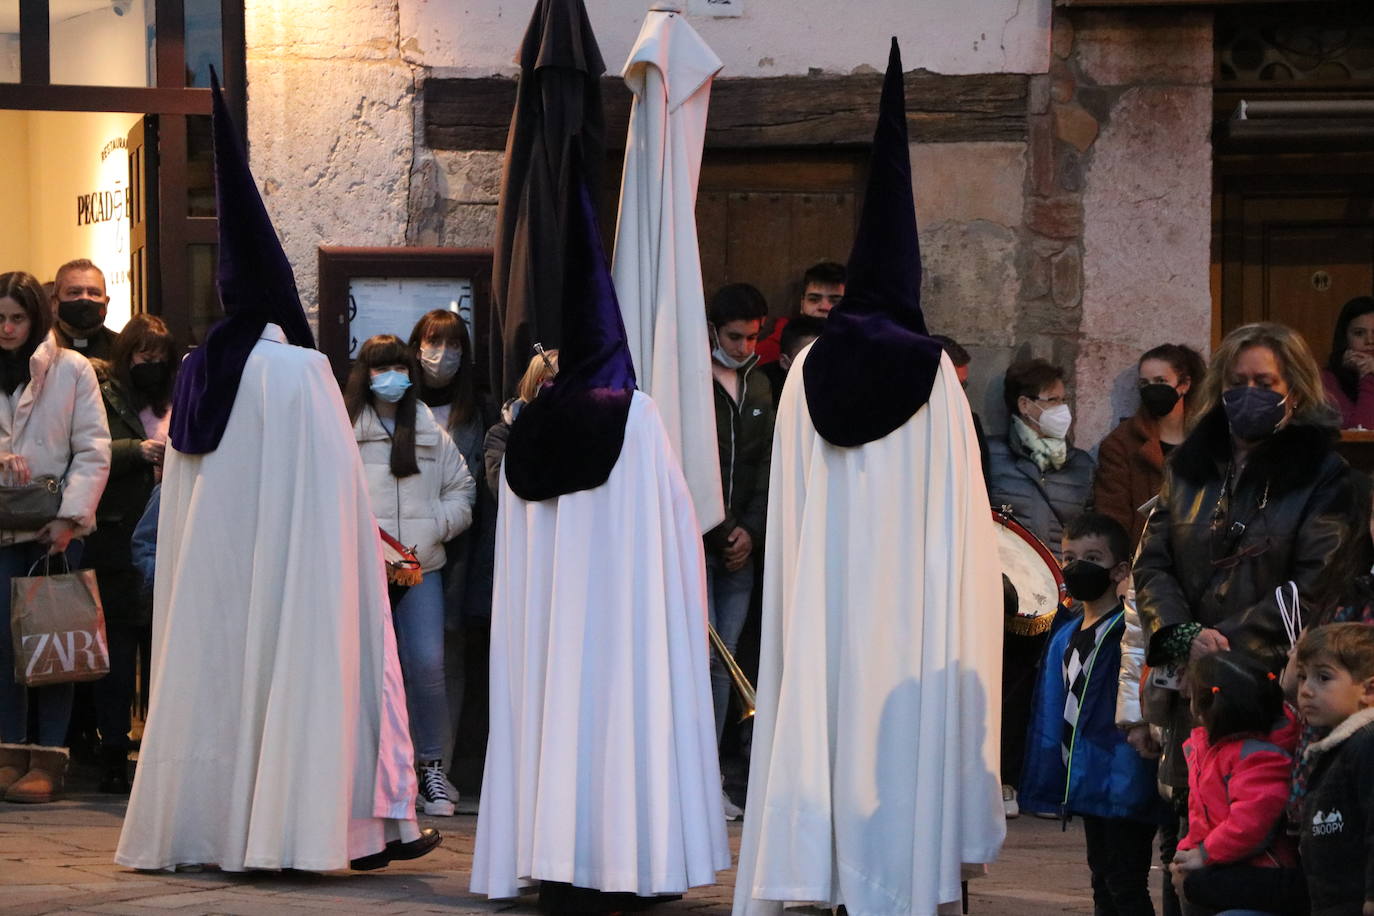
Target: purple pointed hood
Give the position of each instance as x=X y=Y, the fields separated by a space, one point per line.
x=256 y=287
x=569 y=437
x=873 y=367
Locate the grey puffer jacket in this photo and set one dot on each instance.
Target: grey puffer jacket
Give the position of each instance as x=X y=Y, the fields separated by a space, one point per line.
x=1045 y=503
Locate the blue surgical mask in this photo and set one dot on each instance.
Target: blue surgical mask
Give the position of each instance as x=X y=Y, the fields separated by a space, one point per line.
x=390 y=385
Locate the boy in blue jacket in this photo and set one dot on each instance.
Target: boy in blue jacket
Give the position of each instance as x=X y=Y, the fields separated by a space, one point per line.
x=1077 y=761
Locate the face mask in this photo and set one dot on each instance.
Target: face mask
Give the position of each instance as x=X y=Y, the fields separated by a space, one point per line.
x=1055 y=421
x=81 y=314
x=729 y=362
x=1086 y=581
x=440 y=364
x=1254 y=413
x=1159 y=399
x=149 y=378
x=390 y=385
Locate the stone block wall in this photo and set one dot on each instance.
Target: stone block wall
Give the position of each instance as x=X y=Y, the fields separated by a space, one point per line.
x=1115 y=254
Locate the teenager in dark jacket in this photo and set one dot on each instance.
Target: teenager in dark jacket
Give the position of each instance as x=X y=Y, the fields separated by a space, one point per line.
x=1336 y=691
x=136 y=387
x=1254 y=498
x=744 y=434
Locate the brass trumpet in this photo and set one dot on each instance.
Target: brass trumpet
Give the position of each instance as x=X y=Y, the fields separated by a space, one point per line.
x=743 y=689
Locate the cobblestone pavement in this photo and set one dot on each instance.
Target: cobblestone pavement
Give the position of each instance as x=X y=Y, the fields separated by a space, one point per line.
x=57 y=859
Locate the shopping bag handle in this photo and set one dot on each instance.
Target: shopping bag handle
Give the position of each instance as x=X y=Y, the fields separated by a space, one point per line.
x=46 y=561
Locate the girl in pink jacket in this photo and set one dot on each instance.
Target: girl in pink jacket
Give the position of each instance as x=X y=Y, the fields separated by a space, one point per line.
x=1240 y=763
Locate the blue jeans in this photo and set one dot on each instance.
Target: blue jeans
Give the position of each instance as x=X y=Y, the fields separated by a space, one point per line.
x=419 y=622
x=54 y=703
x=727 y=597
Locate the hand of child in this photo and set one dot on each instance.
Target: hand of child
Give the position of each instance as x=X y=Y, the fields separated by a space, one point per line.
x=1139 y=738
x=1186 y=860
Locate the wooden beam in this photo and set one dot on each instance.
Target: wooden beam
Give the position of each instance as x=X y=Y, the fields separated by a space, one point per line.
x=104 y=98
x=786 y=112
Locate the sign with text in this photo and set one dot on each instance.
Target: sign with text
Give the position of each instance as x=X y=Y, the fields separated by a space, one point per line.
x=716 y=8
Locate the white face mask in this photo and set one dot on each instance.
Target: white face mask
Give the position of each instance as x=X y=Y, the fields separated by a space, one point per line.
x=1055 y=421
x=440 y=364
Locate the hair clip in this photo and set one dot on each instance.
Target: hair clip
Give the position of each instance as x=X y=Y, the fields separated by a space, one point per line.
x=1216 y=690
x=1271 y=675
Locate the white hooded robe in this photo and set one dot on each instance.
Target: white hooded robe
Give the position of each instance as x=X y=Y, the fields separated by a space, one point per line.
x=277 y=735
x=601 y=765
x=657 y=266
x=874 y=772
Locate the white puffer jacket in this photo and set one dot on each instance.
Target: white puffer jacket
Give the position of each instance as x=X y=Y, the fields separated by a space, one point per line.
x=57 y=423
x=424 y=510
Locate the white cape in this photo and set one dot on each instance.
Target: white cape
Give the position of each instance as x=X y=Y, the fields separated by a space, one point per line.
x=601 y=764
x=657 y=267
x=277 y=735
x=875 y=761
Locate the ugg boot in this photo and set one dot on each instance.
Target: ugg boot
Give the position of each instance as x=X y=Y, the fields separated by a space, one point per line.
x=43 y=781
x=14 y=762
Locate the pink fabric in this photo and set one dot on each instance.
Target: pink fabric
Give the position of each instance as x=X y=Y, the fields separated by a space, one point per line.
x=1238 y=789
x=1359 y=412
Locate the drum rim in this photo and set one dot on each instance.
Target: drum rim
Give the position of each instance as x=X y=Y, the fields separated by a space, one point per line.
x=1009 y=522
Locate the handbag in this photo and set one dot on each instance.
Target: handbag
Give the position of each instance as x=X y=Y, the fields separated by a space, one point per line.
x=58 y=625
x=31 y=506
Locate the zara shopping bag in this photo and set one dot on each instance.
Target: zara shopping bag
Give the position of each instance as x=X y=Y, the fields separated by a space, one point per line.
x=58 y=626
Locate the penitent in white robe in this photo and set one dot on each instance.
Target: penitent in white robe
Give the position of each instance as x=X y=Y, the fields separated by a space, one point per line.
x=874 y=772
x=601 y=763
x=657 y=267
x=277 y=735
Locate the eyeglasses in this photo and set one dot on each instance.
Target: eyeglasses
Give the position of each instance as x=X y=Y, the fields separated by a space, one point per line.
x=1054 y=402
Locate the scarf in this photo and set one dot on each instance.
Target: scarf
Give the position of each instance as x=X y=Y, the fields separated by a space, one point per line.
x=1048 y=454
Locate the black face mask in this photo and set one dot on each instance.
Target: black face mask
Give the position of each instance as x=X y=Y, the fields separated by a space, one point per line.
x=1254 y=413
x=1159 y=399
x=1086 y=581
x=82 y=314
x=149 y=378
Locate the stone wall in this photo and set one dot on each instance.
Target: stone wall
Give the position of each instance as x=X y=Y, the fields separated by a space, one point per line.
x=1086 y=243
x=1115 y=255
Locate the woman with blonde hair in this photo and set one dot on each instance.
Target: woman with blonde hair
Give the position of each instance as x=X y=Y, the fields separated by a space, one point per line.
x=1253 y=499
x=542 y=368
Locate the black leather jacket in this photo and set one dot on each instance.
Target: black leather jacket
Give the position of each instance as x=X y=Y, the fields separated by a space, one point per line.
x=1217 y=559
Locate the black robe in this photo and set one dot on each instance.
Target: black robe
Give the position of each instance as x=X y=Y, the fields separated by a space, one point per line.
x=557 y=107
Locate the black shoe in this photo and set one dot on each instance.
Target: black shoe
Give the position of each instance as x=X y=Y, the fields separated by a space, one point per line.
x=398 y=851
x=114 y=771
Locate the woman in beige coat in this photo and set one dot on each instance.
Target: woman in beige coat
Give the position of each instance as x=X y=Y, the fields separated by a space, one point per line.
x=422 y=495
x=52 y=425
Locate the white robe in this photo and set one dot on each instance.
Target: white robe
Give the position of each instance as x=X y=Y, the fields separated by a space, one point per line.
x=277 y=735
x=657 y=267
x=875 y=760
x=601 y=763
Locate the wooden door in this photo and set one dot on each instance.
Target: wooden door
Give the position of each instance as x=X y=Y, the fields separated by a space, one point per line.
x=143 y=258
x=763 y=217
x=1296 y=251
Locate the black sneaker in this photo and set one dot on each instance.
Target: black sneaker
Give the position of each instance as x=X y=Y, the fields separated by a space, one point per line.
x=434 y=789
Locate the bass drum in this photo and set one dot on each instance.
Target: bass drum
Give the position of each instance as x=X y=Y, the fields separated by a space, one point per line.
x=1031 y=577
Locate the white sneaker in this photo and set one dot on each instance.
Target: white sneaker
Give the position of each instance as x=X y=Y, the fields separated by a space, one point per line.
x=434 y=794
x=733 y=812
x=1009 y=805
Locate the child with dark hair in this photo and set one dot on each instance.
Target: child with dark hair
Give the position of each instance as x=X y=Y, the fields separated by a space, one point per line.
x=1077 y=761
x=1336 y=691
x=1240 y=758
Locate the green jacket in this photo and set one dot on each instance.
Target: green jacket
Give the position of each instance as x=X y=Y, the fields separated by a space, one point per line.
x=744 y=434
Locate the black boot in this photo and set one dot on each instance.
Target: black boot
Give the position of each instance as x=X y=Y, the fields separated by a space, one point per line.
x=114 y=771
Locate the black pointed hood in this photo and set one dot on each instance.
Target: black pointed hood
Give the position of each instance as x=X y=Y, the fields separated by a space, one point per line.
x=569 y=437
x=256 y=287
x=873 y=367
